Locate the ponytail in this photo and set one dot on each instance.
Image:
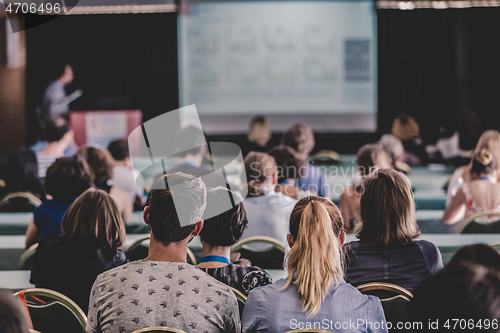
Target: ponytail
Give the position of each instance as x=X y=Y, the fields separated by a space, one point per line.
x=314 y=261
x=483 y=162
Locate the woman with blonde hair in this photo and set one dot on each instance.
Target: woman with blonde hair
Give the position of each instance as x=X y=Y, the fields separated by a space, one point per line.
x=387 y=250
x=480 y=194
x=93 y=232
x=267 y=211
x=489 y=140
x=314 y=295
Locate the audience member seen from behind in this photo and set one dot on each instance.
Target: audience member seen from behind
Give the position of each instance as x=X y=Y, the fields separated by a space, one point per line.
x=370 y=157
x=258 y=136
x=394 y=148
x=13 y=317
x=479 y=254
x=406 y=129
x=101 y=169
x=190 y=158
x=66 y=179
x=314 y=290
x=124 y=176
x=221 y=232
x=268 y=212
x=458 y=148
x=480 y=194
x=387 y=236
x=300 y=138
x=288 y=172
x=93 y=232
x=489 y=140
x=458 y=298
x=58 y=136
x=22 y=174
x=163 y=289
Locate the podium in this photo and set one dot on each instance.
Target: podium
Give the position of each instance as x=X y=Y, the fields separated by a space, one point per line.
x=103 y=126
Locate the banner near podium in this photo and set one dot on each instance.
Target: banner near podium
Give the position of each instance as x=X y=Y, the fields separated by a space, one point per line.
x=102 y=127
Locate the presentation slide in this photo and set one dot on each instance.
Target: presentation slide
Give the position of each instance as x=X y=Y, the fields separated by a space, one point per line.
x=278 y=57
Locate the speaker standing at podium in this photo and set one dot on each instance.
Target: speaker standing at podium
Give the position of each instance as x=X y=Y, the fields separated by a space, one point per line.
x=55 y=101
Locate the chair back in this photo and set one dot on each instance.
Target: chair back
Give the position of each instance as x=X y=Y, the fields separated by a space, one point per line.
x=473 y=225
x=26 y=261
x=395 y=308
x=242 y=299
x=159 y=329
x=19 y=202
x=54 y=312
x=496 y=246
x=140 y=249
x=269 y=258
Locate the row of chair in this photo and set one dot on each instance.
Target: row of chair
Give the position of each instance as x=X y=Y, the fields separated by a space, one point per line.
x=269 y=258
x=51 y=311
x=19 y=202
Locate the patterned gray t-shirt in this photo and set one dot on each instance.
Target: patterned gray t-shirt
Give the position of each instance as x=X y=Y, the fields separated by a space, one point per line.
x=153 y=293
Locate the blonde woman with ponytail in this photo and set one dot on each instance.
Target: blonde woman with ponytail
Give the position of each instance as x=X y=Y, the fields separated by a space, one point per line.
x=314 y=295
x=489 y=140
x=480 y=194
x=268 y=212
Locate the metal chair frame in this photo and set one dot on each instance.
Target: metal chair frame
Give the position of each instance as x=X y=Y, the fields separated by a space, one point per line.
x=473 y=219
x=386 y=286
x=64 y=300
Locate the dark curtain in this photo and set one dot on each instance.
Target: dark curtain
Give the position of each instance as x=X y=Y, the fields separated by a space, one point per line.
x=435 y=63
x=120 y=61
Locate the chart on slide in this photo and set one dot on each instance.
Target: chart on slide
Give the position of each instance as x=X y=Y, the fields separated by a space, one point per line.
x=277 y=56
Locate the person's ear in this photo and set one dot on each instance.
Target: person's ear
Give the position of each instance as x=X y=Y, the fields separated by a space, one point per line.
x=145 y=215
x=342 y=239
x=290 y=240
x=198 y=228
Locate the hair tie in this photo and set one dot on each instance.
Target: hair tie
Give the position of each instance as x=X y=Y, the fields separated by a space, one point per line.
x=485 y=158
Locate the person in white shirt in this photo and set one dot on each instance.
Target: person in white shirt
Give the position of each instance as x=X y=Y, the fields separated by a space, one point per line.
x=124 y=176
x=268 y=212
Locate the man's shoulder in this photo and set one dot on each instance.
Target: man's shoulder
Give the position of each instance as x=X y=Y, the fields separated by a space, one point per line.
x=210 y=281
x=171 y=270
